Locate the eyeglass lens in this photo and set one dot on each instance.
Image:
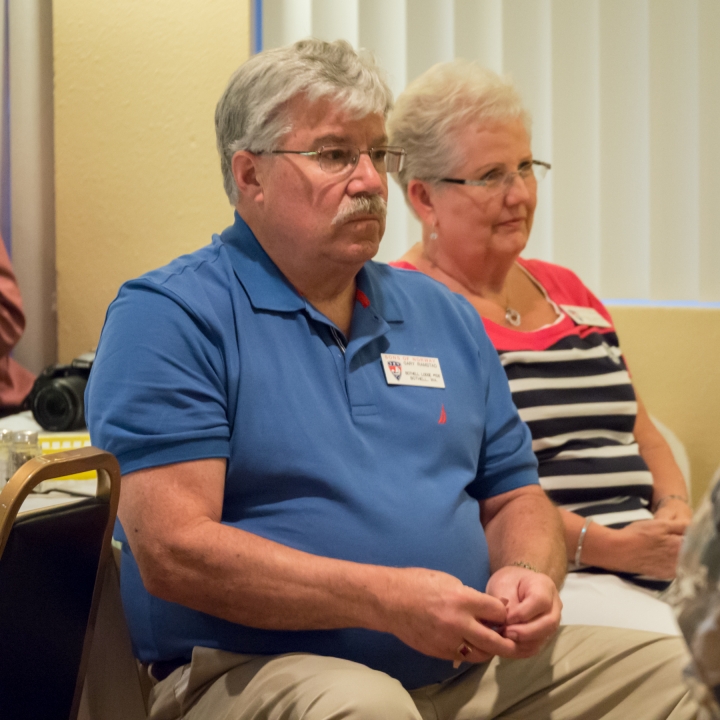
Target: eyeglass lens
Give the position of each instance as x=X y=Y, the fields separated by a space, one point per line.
x=338 y=158
x=497 y=181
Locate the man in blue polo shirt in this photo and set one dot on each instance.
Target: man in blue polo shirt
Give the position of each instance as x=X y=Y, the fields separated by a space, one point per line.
x=330 y=507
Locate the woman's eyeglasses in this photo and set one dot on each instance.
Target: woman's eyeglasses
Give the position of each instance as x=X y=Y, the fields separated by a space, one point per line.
x=499 y=181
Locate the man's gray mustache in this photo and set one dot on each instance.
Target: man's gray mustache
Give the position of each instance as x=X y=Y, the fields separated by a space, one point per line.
x=366 y=205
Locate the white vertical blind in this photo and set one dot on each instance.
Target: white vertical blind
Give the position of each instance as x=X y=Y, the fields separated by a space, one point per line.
x=429 y=34
x=625 y=98
x=575 y=233
x=527 y=32
x=709 y=143
x=389 y=41
x=339 y=19
x=478 y=32
x=285 y=21
x=624 y=117
x=674 y=136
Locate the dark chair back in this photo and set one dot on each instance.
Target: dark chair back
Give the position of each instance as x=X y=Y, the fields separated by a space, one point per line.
x=52 y=563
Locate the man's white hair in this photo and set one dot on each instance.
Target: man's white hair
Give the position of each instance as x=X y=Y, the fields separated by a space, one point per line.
x=251 y=114
x=432 y=111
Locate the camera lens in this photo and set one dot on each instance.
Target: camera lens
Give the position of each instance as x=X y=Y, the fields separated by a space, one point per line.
x=59 y=405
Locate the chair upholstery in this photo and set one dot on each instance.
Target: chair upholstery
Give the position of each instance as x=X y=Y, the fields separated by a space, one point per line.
x=116 y=686
x=678 y=451
x=52 y=564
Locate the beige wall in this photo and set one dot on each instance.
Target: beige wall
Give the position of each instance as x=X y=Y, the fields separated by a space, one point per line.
x=137 y=175
x=674 y=356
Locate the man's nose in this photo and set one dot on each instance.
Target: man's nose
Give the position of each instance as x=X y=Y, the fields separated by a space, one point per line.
x=366 y=178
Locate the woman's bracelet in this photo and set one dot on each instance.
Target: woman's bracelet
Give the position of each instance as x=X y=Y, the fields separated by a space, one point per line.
x=581 y=540
x=665 y=498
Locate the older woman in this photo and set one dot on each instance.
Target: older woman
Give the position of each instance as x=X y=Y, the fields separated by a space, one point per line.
x=471 y=179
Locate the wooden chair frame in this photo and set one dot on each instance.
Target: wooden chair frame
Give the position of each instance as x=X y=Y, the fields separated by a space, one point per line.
x=51 y=467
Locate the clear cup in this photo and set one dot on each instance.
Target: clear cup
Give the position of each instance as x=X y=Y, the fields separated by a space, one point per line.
x=24 y=447
x=6 y=438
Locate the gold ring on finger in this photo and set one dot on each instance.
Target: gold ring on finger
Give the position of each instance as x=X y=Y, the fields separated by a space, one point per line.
x=464 y=650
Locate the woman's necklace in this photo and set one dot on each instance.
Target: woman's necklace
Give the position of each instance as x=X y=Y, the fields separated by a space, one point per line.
x=512 y=316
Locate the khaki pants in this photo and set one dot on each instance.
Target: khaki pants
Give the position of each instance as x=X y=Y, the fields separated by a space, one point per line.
x=583 y=673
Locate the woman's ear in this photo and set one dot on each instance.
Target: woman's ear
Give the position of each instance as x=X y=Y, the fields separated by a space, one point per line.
x=247 y=177
x=420 y=197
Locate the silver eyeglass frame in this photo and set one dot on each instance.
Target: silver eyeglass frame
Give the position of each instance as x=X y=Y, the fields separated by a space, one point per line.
x=507 y=179
x=357 y=152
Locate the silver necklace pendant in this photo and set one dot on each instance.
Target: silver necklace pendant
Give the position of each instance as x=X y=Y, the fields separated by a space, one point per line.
x=512 y=316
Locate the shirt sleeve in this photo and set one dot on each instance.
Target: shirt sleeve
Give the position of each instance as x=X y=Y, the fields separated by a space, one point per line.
x=12 y=319
x=157 y=390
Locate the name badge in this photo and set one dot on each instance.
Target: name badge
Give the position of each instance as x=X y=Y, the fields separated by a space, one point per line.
x=586 y=316
x=412 y=370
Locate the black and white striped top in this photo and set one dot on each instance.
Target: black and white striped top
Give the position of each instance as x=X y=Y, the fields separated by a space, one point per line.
x=571 y=386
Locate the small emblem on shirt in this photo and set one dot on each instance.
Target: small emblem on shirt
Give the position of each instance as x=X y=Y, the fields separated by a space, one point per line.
x=586 y=316
x=362 y=298
x=443 y=416
x=412 y=370
x=614 y=353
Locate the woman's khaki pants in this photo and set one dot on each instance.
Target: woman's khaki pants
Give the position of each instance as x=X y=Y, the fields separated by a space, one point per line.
x=583 y=673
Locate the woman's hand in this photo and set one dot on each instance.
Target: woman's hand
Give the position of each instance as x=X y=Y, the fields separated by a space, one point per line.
x=648 y=547
x=674 y=509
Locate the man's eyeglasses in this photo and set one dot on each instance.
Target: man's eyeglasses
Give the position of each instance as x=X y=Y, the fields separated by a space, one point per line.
x=499 y=181
x=335 y=159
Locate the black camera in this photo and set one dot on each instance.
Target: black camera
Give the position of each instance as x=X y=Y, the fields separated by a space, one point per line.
x=57 y=399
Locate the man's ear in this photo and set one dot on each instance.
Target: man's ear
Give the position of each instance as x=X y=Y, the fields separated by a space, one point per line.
x=420 y=197
x=246 y=173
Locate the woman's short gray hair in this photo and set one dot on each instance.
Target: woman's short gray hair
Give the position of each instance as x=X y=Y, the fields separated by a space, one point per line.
x=250 y=114
x=434 y=108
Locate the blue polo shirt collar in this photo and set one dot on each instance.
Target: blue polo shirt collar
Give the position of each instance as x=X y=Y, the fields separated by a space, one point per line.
x=266 y=286
x=268 y=289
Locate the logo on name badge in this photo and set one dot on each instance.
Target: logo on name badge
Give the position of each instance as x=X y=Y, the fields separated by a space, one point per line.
x=395 y=368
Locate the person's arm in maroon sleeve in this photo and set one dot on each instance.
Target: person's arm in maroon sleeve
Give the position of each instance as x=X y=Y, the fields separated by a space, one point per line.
x=12 y=318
